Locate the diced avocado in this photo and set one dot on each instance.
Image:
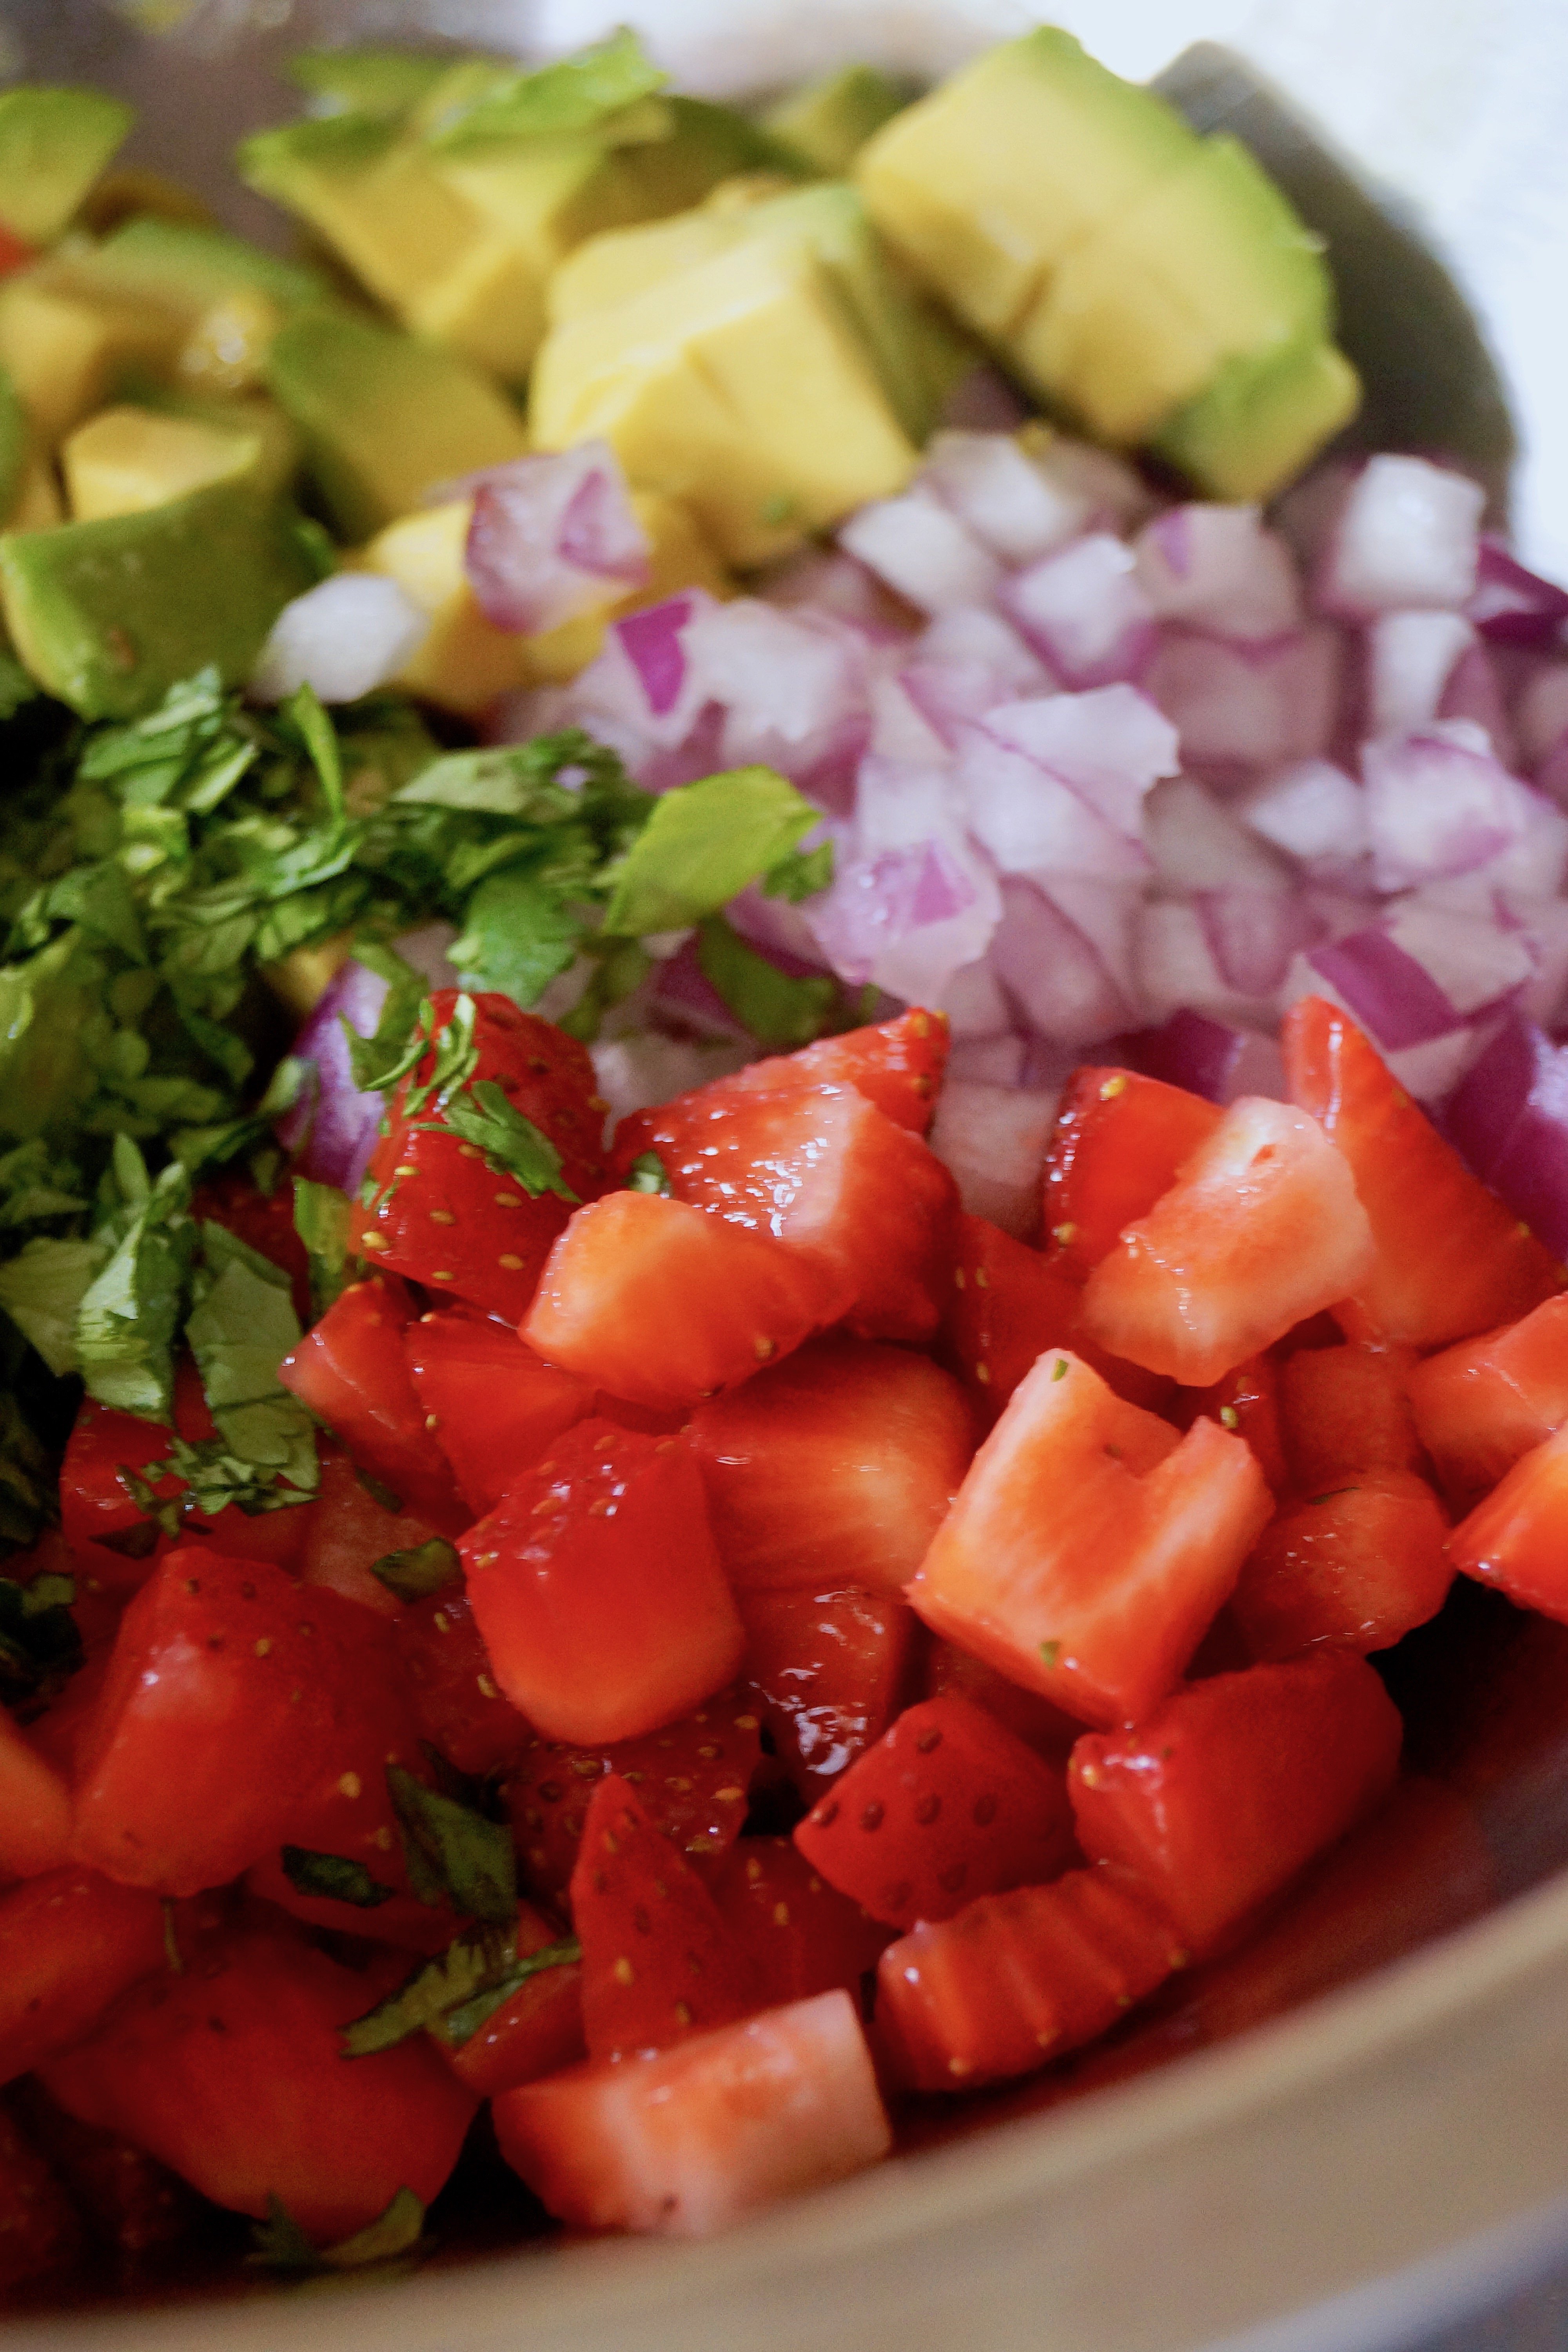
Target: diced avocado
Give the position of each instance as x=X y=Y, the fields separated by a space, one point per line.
x=125 y=460
x=1211 y=263
x=251 y=413
x=740 y=386
x=622 y=263
x=53 y=145
x=828 y=122
x=64 y=345
x=988 y=183
x=483 y=103
x=16 y=443
x=133 y=193
x=188 y=267
x=384 y=417
x=1258 y=423
x=108 y=615
x=36 y=504
x=385 y=82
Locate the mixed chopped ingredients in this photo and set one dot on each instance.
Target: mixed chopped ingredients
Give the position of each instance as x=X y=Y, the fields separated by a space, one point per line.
x=633 y=1497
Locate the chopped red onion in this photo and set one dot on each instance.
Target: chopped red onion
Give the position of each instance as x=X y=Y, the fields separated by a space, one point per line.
x=343 y=638
x=1406 y=537
x=1474 y=692
x=1189 y=1050
x=332 y=1129
x=1254 y=934
x=1061 y=987
x=790 y=685
x=1113 y=494
x=1437 y=803
x=975 y=1005
x=1411 y=657
x=1541 y=714
x=984 y=402
x=1255 y=706
x=646 y=1067
x=825 y=580
x=993 y=1139
x=1509 y=1118
x=1031 y=822
x=1010 y=504
x=1510 y=605
x=1394 y=997
x=1197 y=844
x=1313 y=812
x=552 y=537
x=923 y=552
x=970 y=633
x=1085 y=611
x=1217 y=568
x=1476 y=959
x=652 y=642
x=1111 y=745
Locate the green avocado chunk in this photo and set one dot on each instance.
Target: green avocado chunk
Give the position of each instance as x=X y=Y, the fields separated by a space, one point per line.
x=108 y=615
x=53 y=145
x=384 y=418
x=188 y=268
x=385 y=82
x=15 y=442
x=828 y=122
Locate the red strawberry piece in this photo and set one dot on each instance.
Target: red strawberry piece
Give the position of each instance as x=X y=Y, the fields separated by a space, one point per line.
x=1008 y=1303
x=1118 y=1143
x=348 y=1530
x=69 y=1943
x=1462 y=1264
x=491 y=1404
x=692 y=1779
x=659 y=1962
x=1221 y=1795
x=443 y=1212
x=657 y=1301
x=537 y=2031
x=1344 y=1409
x=597 y=1588
x=35 y=1805
x=458 y=1706
x=1037 y=1721
x=131 y=2202
x=1018 y=1978
x=836 y=1467
x=947 y=1805
x=1517 y=1539
x=827 y=1671
x=1089 y=1548
x=1355 y=1568
x=806 y=1936
x=350 y=1370
x=689 y=2140
x=1247 y=1401
x=898 y=1065
x=40 y=2229
x=1482 y=1406
x=827 y=1172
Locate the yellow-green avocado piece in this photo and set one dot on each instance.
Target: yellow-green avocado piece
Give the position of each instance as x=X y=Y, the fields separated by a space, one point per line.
x=383 y=418
x=54 y=143
x=108 y=615
x=742 y=385
x=828 y=122
x=1259 y=421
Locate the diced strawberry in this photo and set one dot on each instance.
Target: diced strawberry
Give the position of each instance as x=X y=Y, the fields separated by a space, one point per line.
x=832 y=1176
x=131 y=2202
x=827 y=1671
x=69 y=1943
x=1020 y=1978
x=1480 y=1407
x=539 y=2030
x=40 y=2229
x=233 y=2075
x=597 y=1588
x=1009 y=1304
x=687 y=2140
x=1089 y=1547
x=835 y=1468
x=350 y=1370
x=1458 y=1264
x=35 y=1806
x=657 y=1301
x=457 y=1705
x=1261 y=1229
x=1222 y=1794
x=440 y=1210
x=1517 y=1539
x=947 y=1805
x=1037 y=1721
x=1355 y=1568
x=805 y=1935
x=491 y=1403
x=264 y=1222
x=898 y=1065
x=1118 y=1144
x=659 y=1962
x=16 y=252
x=692 y=1779
x=349 y=1530
x=216 y=1717
x=1345 y=1410
x=1248 y=1400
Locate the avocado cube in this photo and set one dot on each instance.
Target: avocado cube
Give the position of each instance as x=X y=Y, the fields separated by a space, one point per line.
x=987 y=184
x=741 y=386
x=828 y=122
x=251 y=413
x=108 y=615
x=1210 y=265
x=188 y=267
x=364 y=80
x=384 y=417
x=16 y=443
x=1258 y=422
x=125 y=460
x=53 y=145
x=65 y=344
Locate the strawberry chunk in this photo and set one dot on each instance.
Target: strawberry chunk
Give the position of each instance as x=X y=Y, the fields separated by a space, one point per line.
x=1344 y=1409
x=457 y=1705
x=805 y=1936
x=657 y=1301
x=692 y=1779
x=264 y=1222
x=836 y=1467
x=350 y=1370
x=1464 y=1264
x=35 y=1806
x=1248 y=1400
x=1355 y=1568
x=491 y=1404
x=1223 y=1794
x=69 y=1943
x=40 y=2229
x=1037 y=1721
x=535 y=2032
x=1089 y=1547
x=131 y=2202
x=1020 y=1978
x=827 y=1671
x=1480 y=1407
x=443 y=1209
x=659 y=1962
x=597 y=1588
x=899 y=1064
x=827 y=1172
x=1261 y=1229
x=348 y=1530
x=686 y=2141
x=1118 y=1143
x=1518 y=1538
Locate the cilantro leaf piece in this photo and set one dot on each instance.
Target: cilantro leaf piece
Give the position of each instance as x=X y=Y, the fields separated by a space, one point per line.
x=779 y=1011
x=701 y=846
x=462 y=2021
x=801 y=875
x=334 y=1878
x=129 y=1316
x=27 y=1478
x=579 y=94
x=322 y=1218
x=241 y=1325
x=454 y=1060
x=647 y=1173
x=511 y=1144
x=379 y=1060
x=518 y=932
x=39 y=1643
x=367 y=79
x=279 y=2243
x=423 y=1568
x=453 y=1994
x=454 y=1851
x=42 y=1291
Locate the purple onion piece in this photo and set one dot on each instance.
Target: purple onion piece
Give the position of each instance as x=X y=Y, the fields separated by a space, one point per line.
x=1509 y=1118
x=1394 y=998
x=1189 y=1050
x=1511 y=606
x=331 y=1130
x=651 y=642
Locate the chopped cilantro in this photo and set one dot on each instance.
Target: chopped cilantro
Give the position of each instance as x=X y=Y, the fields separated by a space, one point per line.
x=321 y=1220
x=647 y=1173
x=334 y=1878
x=702 y=843
x=781 y=1012
x=423 y=1568
x=452 y=1995
x=511 y=1144
x=452 y=1850
x=279 y=2243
